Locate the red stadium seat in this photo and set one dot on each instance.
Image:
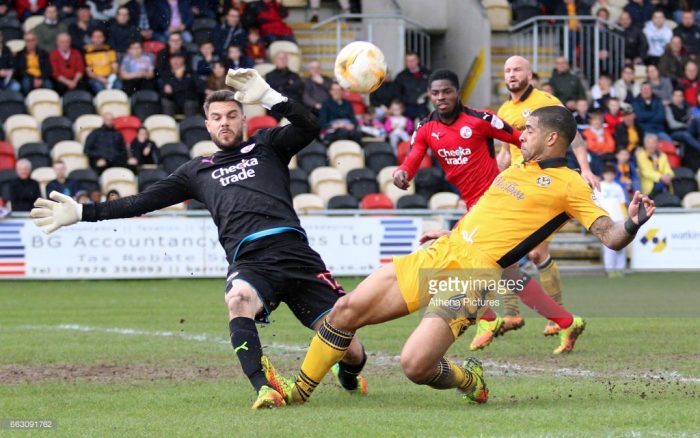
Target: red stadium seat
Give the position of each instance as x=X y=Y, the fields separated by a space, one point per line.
x=153 y=47
x=258 y=122
x=671 y=152
x=376 y=201
x=358 y=105
x=127 y=127
x=7 y=156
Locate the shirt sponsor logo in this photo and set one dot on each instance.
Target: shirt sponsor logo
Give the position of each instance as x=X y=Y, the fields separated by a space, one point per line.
x=436 y=135
x=465 y=132
x=247 y=149
x=496 y=122
x=235 y=173
x=544 y=181
x=509 y=187
x=457 y=156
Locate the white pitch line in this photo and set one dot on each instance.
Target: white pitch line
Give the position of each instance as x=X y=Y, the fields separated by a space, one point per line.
x=495 y=368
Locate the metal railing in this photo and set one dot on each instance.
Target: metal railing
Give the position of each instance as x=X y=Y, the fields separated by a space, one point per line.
x=411 y=36
x=591 y=45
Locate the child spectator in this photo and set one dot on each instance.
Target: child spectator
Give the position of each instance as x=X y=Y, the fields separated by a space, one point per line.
x=236 y=59
x=217 y=79
x=613 y=115
x=600 y=143
x=398 y=126
x=626 y=173
x=581 y=114
x=256 y=49
x=612 y=199
x=202 y=61
x=602 y=91
x=370 y=125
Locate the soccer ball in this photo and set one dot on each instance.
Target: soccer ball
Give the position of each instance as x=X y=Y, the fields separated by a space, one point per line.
x=360 y=67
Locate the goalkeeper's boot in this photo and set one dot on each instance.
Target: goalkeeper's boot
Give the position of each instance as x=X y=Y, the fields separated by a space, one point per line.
x=485 y=332
x=283 y=386
x=551 y=329
x=359 y=388
x=568 y=336
x=268 y=398
x=511 y=323
x=478 y=392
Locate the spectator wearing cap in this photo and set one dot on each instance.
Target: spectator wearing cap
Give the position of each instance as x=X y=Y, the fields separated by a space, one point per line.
x=628 y=134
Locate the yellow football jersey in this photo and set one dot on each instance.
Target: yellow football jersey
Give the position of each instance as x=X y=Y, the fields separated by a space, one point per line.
x=516 y=112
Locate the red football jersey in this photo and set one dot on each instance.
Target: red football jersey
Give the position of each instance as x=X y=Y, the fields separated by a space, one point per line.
x=464 y=148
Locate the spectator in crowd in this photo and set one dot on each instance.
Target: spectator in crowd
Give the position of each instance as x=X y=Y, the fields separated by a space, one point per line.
x=412 y=83
x=626 y=173
x=66 y=9
x=101 y=63
x=62 y=183
x=613 y=115
x=140 y=13
x=137 y=71
x=582 y=114
x=23 y=189
x=25 y=8
x=690 y=82
x=650 y=112
x=94 y=196
x=338 y=118
x=567 y=86
x=655 y=172
x=673 y=60
x=122 y=32
x=369 y=124
x=7 y=15
x=103 y=10
x=679 y=121
x=640 y=11
x=172 y=16
x=204 y=8
x=599 y=142
x=202 y=61
x=143 y=150
x=315 y=5
x=112 y=195
x=661 y=86
x=658 y=35
x=47 y=31
x=229 y=33
x=217 y=78
x=81 y=30
x=602 y=91
x=67 y=66
x=255 y=48
x=628 y=134
x=83 y=197
x=105 y=147
x=635 y=42
x=7 y=68
x=32 y=65
x=612 y=199
x=269 y=16
x=174 y=47
x=398 y=127
x=179 y=89
x=284 y=80
x=613 y=9
x=316 y=87
x=382 y=97
x=689 y=33
x=236 y=59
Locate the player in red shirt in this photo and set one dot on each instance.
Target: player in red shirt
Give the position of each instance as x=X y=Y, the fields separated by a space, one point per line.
x=462 y=140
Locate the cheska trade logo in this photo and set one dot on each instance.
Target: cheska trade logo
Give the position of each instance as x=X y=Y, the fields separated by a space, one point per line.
x=653 y=238
x=544 y=181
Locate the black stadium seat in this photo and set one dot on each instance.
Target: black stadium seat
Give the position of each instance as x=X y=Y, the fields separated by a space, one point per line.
x=150 y=176
x=379 y=155
x=361 y=182
x=173 y=155
x=11 y=29
x=38 y=153
x=192 y=130
x=684 y=182
x=298 y=182
x=201 y=29
x=667 y=200
x=312 y=156
x=76 y=103
x=145 y=103
x=12 y=103
x=5 y=177
x=55 y=129
x=342 y=202
x=429 y=181
x=87 y=179
x=412 y=201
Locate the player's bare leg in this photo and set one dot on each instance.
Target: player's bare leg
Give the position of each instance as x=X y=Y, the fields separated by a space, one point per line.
x=549 y=277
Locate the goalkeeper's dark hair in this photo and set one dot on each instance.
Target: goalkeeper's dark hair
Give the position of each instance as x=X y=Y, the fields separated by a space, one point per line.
x=220 y=96
x=557 y=119
x=443 y=73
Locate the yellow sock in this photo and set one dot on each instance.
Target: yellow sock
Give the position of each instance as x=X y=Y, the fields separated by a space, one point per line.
x=448 y=375
x=511 y=304
x=551 y=279
x=327 y=348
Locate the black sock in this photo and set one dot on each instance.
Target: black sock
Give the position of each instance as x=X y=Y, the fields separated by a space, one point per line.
x=347 y=374
x=246 y=345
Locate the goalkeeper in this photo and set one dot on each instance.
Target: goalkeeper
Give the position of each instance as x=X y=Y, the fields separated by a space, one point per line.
x=245 y=187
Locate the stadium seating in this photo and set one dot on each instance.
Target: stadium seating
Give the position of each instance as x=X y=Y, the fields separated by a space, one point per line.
x=120 y=179
x=291 y=49
x=76 y=103
x=312 y=156
x=31 y=22
x=11 y=29
x=386 y=185
x=298 y=182
x=376 y=201
x=444 y=201
x=260 y=122
x=84 y=125
x=174 y=155
x=38 y=153
x=362 y=182
x=667 y=200
x=201 y=29
x=345 y=155
x=667 y=147
x=15 y=46
x=128 y=127
x=264 y=68
x=150 y=176
x=327 y=182
x=379 y=155
x=683 y=182
x=193 y=130
x=412 y=201
x=87 y=179
x=21 y=129
x=12 y=103
x=55 y=129
x=115 y=102
x=145 y=103
x=5 y=177
x=429 y=181
x=306 y=202
x=254 y=110
x=7 y=156
x=691 y=200
x=203 y=148
x=162 y=129
x=153 y=47
x=342 y=202
x=71 y=153
x=42 y=103
x=43 y=175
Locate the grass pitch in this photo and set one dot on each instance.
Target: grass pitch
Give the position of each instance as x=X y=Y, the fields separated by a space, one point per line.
x=152 y=358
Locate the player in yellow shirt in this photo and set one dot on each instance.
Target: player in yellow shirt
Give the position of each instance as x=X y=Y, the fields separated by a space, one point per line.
x=452 y=277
